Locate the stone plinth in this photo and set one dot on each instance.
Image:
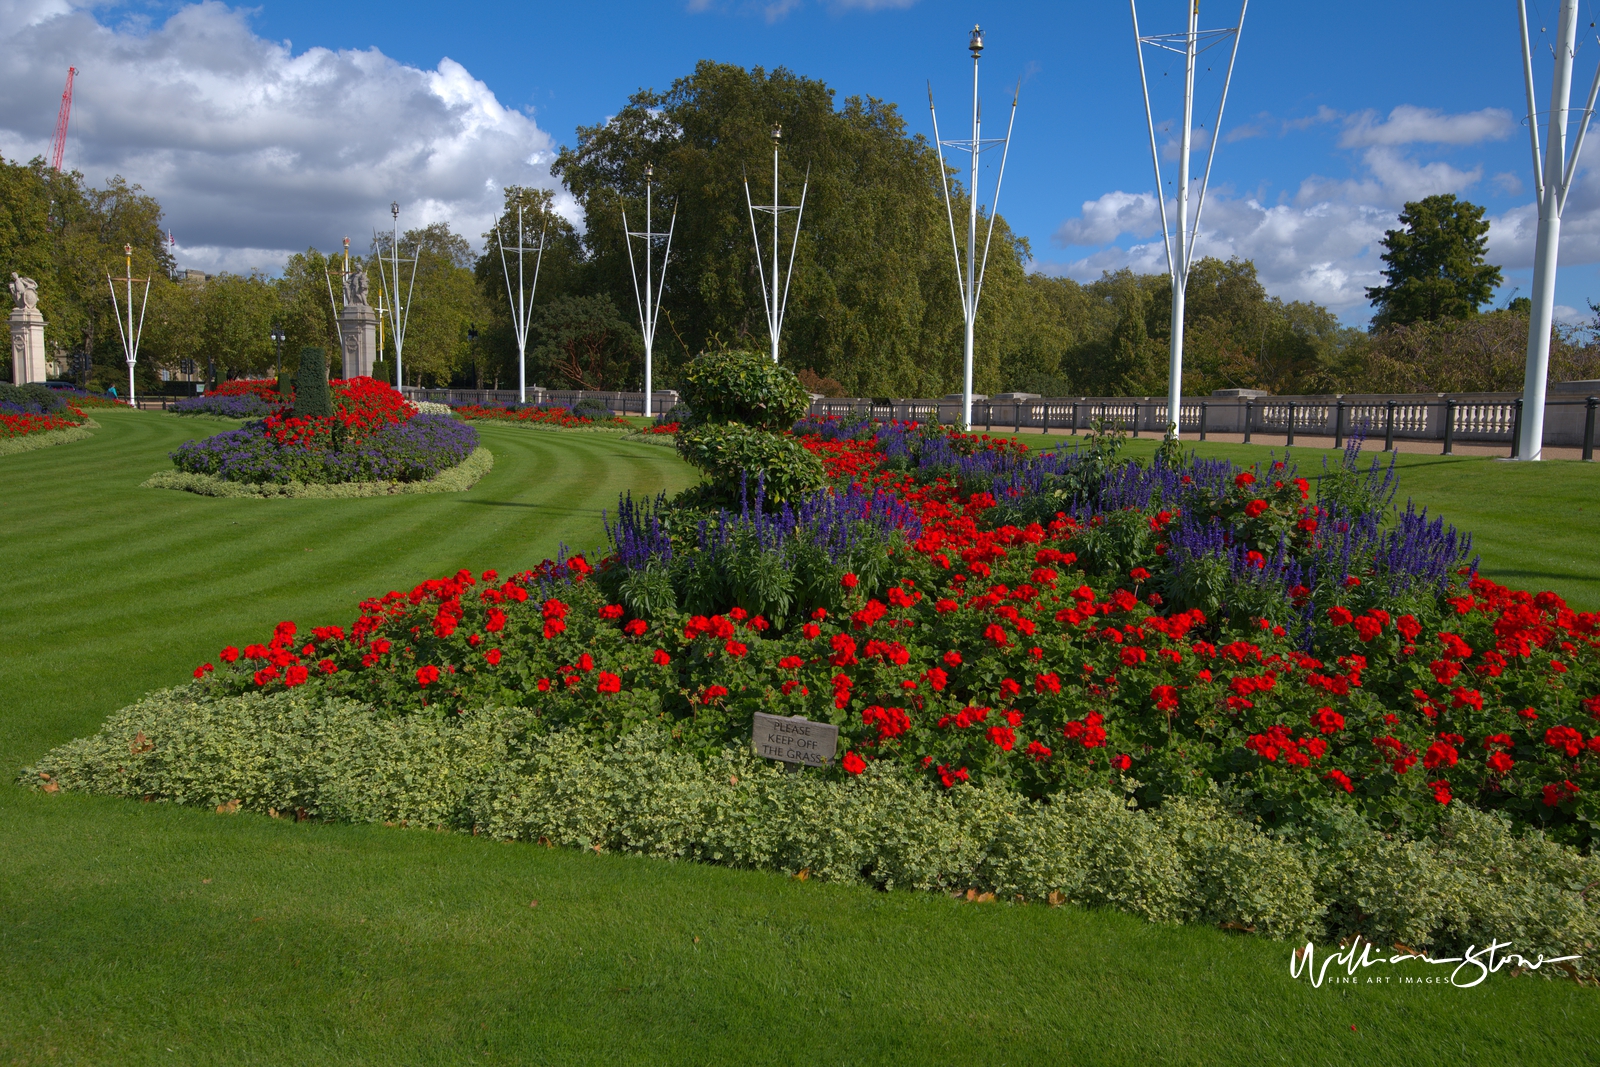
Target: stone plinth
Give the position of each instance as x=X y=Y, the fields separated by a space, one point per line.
x=358 y=339
x=27 y=346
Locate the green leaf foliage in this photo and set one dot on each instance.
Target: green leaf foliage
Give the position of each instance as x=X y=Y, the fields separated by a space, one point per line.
x=497 y=772
x=1436 y=267
x=311 y=398
x=743 y=387
x=733 y=455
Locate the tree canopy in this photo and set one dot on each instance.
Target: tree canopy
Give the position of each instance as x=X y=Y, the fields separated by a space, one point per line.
x=873 y=310
x=1436 y=267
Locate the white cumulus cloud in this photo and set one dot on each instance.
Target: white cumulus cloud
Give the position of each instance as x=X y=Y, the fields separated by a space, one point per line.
x=253 y=150
x=1322 y=241
x=1408 y=124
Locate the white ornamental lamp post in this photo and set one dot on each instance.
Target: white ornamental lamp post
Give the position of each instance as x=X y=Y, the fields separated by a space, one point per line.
x=778 y=301
x=649 y=303
x=970 y=281
x=522 y=303
x=1180 y=242
x=1552 y=179
x=278 y=337
x=130 y=334
x=399 y=310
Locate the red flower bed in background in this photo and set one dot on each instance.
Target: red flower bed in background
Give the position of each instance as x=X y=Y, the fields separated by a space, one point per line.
x=261 y=388
x=24 y=424
x=553 y=416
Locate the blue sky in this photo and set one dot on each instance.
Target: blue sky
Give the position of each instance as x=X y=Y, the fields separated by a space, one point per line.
x=1338 y=114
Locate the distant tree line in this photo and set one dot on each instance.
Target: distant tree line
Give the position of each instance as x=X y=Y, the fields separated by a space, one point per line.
x=873 y=309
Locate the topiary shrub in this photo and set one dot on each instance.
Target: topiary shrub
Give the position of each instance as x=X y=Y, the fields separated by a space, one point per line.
x=743 y=387
x=592 y=408
x=729 y=452
x=738 y=401
x=383 y=370
x=311 y=399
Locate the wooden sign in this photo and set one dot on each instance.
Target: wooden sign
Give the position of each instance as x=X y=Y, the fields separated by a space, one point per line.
x=794 y=740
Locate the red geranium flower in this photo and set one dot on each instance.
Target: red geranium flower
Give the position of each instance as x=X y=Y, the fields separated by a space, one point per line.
x=1340 y=779
x=609 y=683
x=854 y=763
x=493 y=657
x=427 y=675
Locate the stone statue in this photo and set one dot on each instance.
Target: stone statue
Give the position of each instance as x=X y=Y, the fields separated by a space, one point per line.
x=25 y=292
x=355 y=288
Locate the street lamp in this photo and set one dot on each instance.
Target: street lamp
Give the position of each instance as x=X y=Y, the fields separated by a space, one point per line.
x=399 y=311
x=649 y=303
x=130 y=333
x=278 y=338
x=970 y=282
x=779 y=300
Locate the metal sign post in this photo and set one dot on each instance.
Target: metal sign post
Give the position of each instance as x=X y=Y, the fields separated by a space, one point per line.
x=522 y=305
x=970 y=284
x=779 y=299
x=1188 y=44
x=130 y=334
x=1552 y=178
x=650 y=303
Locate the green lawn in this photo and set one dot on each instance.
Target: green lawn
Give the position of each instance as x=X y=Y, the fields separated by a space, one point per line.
x=140 y=933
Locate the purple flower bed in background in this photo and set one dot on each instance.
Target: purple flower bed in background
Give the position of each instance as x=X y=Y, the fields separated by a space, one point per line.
x=227 y=407
x=411 y=451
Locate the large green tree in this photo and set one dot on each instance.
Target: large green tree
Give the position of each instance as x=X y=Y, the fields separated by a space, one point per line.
x=1436 y=268
x=69 y=236
x=561 y=270
x=873 y=303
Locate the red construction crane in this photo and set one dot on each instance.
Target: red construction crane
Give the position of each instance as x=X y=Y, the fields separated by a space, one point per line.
x=59 y=145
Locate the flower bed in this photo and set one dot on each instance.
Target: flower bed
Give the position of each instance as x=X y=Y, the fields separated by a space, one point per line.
x=1227 y=632
x=263 y=389
x=457 y=479
x=35 y=409
x=1323 y=670
x=16 y=421
x=228 y=405
x=553 y=416
x=373 y=435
